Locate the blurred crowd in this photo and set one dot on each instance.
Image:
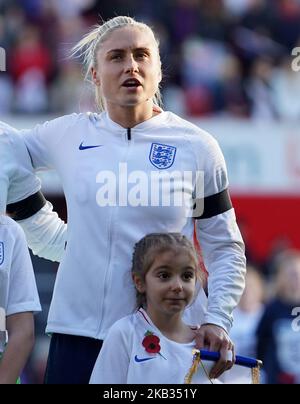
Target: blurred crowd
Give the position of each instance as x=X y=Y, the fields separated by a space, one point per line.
x=220 y=57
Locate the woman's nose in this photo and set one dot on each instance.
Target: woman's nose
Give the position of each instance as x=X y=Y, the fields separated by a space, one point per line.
x=131 y=65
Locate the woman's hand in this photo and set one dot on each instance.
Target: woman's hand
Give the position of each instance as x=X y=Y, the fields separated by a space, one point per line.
x=157 y=109
x=215 y=338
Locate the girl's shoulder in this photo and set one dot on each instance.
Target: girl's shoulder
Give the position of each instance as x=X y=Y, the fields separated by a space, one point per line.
x=123 y=326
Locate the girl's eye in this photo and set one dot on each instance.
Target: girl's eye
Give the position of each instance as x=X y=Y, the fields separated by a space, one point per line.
x=188 y=275
x=163 y=275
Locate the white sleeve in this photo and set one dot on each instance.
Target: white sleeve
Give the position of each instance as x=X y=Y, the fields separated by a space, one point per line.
x=222 y=246
x=17 y=179
x=3 y=190
x=224 y=258
x=112 y=363
x=22 y=295
x=46 y=233
x=45 y=142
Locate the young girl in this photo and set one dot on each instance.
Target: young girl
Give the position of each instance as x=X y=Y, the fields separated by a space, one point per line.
x=18 y=301
x=154 y=345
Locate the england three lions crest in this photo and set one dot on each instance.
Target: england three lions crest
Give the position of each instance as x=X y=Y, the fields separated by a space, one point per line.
x=162 y=156
x=1 y=252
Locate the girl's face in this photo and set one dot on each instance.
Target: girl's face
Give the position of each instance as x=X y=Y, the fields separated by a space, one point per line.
x=169 y=284
x=128 y=68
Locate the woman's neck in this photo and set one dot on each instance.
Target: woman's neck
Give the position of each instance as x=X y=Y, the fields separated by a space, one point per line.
x=130 y=116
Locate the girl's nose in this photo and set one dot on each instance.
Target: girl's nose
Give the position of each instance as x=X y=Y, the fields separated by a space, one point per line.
x=177 y=286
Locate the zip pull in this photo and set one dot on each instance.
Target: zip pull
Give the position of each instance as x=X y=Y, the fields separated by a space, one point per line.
x=129 y=134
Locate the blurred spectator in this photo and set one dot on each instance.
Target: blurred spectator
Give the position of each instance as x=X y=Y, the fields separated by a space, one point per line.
x=69 y=8
x=174 y=100
x=68 y=88
x=259 y=89
x=6 y=94
x=30 y=66
x=287 y=28
x=234 y=97
x=31 y=94
x=278 y=342
x=260 y=17
x=189 y=12
x=278 y=247
x=215 y=21
x=237 y=7
x=286 y=90
x=248 y=314
x=30 y=53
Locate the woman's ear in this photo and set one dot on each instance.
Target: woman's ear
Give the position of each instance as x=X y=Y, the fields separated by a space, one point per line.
x=160 y=76
x=95 y=77
x=139 y=283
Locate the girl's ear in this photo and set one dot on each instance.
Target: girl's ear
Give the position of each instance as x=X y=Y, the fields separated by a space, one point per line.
x=139 y=283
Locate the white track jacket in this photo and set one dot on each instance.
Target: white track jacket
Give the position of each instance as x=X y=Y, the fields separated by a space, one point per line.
x=117 y=183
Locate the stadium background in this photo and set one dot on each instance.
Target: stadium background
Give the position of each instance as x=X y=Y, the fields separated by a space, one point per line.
x=227 y=66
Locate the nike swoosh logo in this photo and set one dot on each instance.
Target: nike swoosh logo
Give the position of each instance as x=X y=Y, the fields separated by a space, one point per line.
x=81 y=147
x=138 y=360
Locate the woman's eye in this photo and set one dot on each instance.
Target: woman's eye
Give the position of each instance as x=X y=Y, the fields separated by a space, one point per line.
x=141 y=55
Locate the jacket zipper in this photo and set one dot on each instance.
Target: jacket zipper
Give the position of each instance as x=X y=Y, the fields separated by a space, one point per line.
x=111 y=231
x=129 y=134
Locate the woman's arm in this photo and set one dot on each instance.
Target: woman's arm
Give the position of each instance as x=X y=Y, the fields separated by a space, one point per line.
x=223 y=253
x=46 y=233
x=219 y=236
x=20 y=329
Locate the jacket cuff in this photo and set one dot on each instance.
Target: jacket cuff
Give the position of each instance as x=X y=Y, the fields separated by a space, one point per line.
x=219 y=320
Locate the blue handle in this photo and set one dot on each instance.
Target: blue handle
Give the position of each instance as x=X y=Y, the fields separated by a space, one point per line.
x=240 y=360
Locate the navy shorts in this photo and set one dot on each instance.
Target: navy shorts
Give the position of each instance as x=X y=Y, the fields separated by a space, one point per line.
x=71 y=359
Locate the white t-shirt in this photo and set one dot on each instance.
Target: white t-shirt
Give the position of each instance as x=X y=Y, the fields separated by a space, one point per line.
x=18 y=292
x=124 y=360
x=17 y=180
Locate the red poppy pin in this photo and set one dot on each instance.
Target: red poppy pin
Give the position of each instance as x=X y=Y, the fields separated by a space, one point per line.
x=151 y=343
